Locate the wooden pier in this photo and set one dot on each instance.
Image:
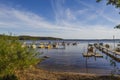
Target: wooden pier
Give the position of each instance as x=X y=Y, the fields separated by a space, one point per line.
x=88 y=54
x=113 y=54
x=92 y=54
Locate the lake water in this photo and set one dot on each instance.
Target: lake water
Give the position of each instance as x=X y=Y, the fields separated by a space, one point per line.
x=71 y=59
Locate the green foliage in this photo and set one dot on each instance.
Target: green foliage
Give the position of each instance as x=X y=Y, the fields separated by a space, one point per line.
x=14 y=57
x=10 y=77
x=117 y=27
x=98 y=0
x=37 y=38
x=115 y=3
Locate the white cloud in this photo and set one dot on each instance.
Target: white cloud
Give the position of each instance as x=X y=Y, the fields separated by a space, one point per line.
x=68 y=23
x=24 y=19
x=69 y=15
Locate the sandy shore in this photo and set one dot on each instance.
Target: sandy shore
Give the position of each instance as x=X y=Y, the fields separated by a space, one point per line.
x=38 y=74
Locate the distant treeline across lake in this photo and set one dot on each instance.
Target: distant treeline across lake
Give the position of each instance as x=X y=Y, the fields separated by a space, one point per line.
x=24 y=37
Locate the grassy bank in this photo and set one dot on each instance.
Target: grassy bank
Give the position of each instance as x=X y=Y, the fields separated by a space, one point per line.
x=38 y=74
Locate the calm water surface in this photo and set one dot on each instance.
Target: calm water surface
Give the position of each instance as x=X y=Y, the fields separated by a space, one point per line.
x=71 y=59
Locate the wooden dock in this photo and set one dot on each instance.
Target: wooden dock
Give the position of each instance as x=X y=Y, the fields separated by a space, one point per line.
x=113 y=54
x=90 y=54
x=98 y=55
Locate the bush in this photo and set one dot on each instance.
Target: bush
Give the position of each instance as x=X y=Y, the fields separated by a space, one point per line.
x=10 y=77
x=13 y=57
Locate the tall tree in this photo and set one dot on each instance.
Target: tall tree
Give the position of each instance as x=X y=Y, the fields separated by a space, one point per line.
x=117 y=27
x=116 y=4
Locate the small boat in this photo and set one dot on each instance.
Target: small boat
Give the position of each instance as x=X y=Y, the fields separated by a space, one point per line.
x=41 y=46
x=90 y=44
x=54 y=45
x=74 y=44
x=45 y=56
x=34 y=46
x=48 y=46
x=60 y=47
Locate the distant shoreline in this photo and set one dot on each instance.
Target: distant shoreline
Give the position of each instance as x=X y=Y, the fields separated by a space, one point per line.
x=25 y=37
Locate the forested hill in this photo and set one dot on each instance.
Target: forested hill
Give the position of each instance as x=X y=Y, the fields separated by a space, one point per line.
x=37 y=38
x=32 y=37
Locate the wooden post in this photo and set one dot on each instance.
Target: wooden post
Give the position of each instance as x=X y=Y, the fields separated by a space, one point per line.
x=114 y=41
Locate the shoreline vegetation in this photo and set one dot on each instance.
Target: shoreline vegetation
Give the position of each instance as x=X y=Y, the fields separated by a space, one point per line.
x=14 y=57
x=17 y=63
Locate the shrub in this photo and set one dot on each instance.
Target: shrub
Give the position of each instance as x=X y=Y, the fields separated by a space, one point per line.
x=10 y=77
x=13 y=57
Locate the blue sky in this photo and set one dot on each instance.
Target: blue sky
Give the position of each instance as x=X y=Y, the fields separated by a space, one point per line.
x=69 y=19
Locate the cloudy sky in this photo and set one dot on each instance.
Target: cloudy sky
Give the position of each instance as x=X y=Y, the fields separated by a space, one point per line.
x=69 y=19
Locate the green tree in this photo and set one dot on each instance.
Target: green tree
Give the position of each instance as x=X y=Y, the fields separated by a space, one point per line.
x=117 y=27
x=14 y=57
x=115 y=3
